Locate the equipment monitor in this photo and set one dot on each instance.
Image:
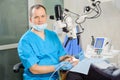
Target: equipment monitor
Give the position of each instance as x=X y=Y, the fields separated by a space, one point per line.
x=99 y=43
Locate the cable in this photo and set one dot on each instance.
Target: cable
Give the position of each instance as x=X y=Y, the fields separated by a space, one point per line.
x=67 y=10
x=55 y=71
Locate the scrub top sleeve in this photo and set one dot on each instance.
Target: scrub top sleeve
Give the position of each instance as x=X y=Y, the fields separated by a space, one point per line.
x=27 y=57
x=62 y=52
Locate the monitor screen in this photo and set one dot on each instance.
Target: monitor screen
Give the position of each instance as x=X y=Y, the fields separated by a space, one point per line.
x=99 y=43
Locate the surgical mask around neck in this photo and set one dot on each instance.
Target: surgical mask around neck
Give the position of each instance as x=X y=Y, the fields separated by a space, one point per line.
x=39 y=27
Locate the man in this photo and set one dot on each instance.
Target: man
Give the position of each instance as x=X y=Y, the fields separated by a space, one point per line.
x=40 y=49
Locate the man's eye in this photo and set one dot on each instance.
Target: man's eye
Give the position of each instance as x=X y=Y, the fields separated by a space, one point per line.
x=43 y=16
x=35 y=17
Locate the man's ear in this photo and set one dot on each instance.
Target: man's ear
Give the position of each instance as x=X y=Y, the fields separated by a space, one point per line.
x=30 y=20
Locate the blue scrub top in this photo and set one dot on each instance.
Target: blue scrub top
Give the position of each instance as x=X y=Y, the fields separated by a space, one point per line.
x=32 y=49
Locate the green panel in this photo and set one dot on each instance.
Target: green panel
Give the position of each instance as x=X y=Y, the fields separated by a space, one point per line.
x=13 y=20
x=8 y=58
x=49 y=4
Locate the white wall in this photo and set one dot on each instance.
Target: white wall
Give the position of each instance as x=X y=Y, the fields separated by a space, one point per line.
x=107 y=25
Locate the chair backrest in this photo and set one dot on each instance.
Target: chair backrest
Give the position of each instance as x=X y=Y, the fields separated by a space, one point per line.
x=17 y=67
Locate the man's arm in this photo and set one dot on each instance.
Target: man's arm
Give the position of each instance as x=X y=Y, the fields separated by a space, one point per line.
x=36 y=69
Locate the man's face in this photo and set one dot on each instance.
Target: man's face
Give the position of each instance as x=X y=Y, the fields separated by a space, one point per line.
x=39 y=16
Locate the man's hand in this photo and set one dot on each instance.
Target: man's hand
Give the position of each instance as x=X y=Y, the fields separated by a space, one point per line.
x=66 y=58
x=70 y=59
x=64 y=65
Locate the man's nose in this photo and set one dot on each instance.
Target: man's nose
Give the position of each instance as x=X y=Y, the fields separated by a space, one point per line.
x=39 y=18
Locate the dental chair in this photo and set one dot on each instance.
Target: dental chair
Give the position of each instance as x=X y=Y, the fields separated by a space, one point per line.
x=17 y=67
x=111 y=73
x=95 y=73
x=18 y=70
